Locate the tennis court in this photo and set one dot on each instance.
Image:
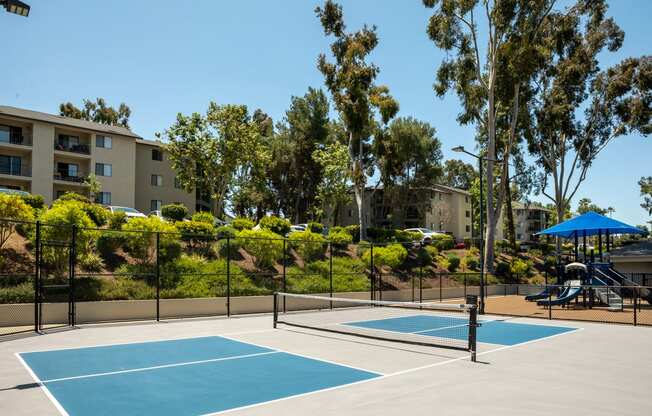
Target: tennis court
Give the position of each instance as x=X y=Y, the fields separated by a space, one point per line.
x=362 y=359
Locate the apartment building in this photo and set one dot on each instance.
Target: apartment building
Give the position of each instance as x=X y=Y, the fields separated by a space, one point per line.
x=49 y=155
x=529 y=219
x=438 y=207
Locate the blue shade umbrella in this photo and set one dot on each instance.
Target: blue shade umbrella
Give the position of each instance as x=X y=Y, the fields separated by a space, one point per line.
x=590 y=224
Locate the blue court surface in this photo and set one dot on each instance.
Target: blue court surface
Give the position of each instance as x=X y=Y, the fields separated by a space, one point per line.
x=180 y=377
x=490 y=332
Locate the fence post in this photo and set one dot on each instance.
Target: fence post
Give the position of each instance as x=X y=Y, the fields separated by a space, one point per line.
x=228 y=276
x=71 y=274
x=421 y=284
x=635 y=306
x=285 y=283
x=550 y=304
x=371 y=269
x=465 y=276
x=37 y=272
x=412 y=281
x=158 y=278
x=440 y=294
x=330 y=270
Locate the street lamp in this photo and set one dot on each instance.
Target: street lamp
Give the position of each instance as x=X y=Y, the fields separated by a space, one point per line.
x=460 y=149
x=16 y=7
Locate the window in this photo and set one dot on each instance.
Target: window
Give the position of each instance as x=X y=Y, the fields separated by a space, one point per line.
x=157 y=180
x=468 y=214
x=518 y=236
x=350 y=213
x=67 y=170
x=104 y=142
x=103 y=198
x=10 y=134
x=10 y=165
x=157 y=155
x=177 y=183
x=466 y=198
x=468 y=228
x=103 y=169
x=155 y=205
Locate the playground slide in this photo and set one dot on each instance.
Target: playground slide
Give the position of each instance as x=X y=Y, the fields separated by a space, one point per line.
x=564 y=298
x=545 y=293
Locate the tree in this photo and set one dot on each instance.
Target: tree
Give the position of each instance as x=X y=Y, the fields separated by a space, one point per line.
x=577 y=110
x=646 y=193
x=585 y=205
x=12 y=208
x=333 y=189
x=205 y=151
x=459 y=174
x=489 y=88
x=94 y=186
x=98 y=111
x=350 y=80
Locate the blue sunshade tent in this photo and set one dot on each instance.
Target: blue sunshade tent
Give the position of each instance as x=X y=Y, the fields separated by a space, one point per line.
x=590 y=223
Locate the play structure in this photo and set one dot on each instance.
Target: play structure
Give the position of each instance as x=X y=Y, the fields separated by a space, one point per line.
x=593 y=281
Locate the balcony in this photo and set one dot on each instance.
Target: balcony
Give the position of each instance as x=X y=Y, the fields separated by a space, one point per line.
x=82 y=149
x=67 y=177
x=17 y=172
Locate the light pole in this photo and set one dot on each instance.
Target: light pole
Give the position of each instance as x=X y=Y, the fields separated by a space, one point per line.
x=460 y=149
x=15 y=7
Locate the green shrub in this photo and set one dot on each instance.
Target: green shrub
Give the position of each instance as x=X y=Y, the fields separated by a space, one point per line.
x=20 y=293
x=34 y=201
x=349 y=275
x=241 y=223
x=392 y=256
x=109 y=242
x=406 y=236
x=502 y=269
x=354 y=232
x=340 y=238
x=225 y=231
x=72 y=196
x=471 y=262
x=468 y=242
x=316 y=227
x=424 y=258
x=12 y=207
x=203 y=216
x=521 y=268
x=264 y=245
x=117 y=220
x=141 y=240
x=97 y=213
x=380 y=235
x=199 y=235
x=307 y=244
x=91 y=262
x=443 y=242
x=174 y=212
x=453 y=263
x=277 y=225
x=233 y=244
x=432 y=250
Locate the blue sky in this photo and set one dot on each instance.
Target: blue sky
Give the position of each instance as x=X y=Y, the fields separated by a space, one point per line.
x=162 y=57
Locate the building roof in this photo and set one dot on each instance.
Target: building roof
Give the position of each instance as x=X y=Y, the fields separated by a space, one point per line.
x=66 y=121
x=644 y=248
x=521 y=205
x=589 y=224
x=156 y=143
x=435 y=187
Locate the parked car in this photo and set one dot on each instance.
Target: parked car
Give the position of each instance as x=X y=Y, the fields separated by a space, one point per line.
x=426 y=234
x=156 y=213
x=129 y=212
x=297 y=228
x=8 y=191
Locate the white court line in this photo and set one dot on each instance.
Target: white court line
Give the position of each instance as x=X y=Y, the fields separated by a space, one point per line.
x=385 y=376
x=47 y=393
x=135 y=370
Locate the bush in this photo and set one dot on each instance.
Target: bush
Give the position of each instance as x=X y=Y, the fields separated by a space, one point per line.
x=424 y=258
x=521 y=268
x=97 y=213
x=453 y=263
x=91 y=262
x=406 y=236
x=380 y=235
x=12 y=207
x=241 y=223
x=225 y=231
x=354 y=232
x=34 y=201
x=443 y=242
x=203 y=216
x=197 y=234
x=316 y=227
x=277 y=225
x=58 y=222
x=117 y=220
x=502 y=269
x=174 y=212
x=141 y=240
x=73 y=196
x=471 y=262
x=392 y=256
x=109 y=242
x=307 y=244
x=340 y=238
x=264 y=245
x=432 y=250
x=20 y=293
x=348 y=276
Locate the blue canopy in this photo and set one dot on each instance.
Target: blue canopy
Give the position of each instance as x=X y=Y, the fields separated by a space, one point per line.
x=593 y=224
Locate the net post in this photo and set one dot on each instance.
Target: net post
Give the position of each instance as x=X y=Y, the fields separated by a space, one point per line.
x=275 y=309
x=285 y=288
x=472 y=300
x=373 y=274
x=158 y=278
x=228 y=276
x=71 y=283
x=37 y=269
x=330 y=270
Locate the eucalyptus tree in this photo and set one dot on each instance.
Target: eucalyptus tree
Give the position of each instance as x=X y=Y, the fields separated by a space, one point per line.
x=489 y=84
x=646 y=192
x=207 y=150
x=98 y=111
x=358 y=100
x=459 y=174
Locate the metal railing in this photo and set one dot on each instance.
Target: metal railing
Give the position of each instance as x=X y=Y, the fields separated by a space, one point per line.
x=80 y=177
x=73 y=148
x=22 y=170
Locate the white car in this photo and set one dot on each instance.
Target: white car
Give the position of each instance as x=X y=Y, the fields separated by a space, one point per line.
x=297 y=228
x=129 y=212
x=426 y=234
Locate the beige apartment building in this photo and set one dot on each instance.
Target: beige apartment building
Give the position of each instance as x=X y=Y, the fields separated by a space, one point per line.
x=49 y=155
x=440 y=208
x=529 y=219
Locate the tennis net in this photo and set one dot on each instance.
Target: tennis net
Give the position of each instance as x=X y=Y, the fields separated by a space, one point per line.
x=443 y=325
